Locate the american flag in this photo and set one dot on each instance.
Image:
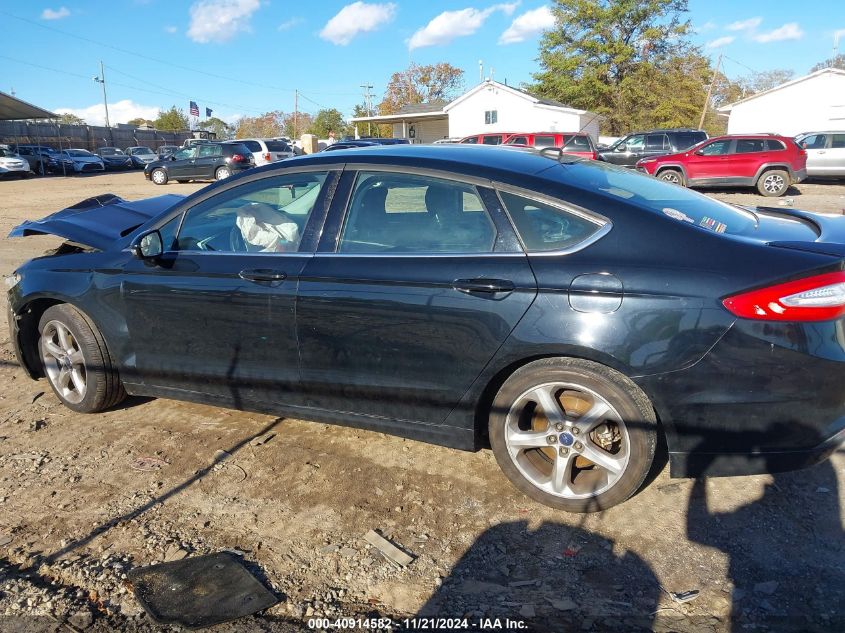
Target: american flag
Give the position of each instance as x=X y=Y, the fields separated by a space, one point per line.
x=195 y=109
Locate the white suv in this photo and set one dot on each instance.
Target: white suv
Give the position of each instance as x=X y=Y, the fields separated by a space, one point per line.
x=267 y=150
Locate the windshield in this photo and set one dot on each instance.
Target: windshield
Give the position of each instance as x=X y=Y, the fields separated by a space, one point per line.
x=7 y=153
x=141 y=150
x=646 y=192
x=110 y=151
x=77 y=152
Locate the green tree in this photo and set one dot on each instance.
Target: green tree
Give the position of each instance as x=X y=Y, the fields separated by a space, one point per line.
x=265 y=125
x=325 y=121
x=71 y=119
x=383 y=130
x=422 y=84
x=223 y=130
x=613 y=56
x=172 y=120
x=834 y=62
x=139 y=121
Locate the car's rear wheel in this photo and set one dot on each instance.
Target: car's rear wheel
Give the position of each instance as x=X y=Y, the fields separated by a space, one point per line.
x=773 y=183
x=671 y=175
x=573 y=434
x=76 y=361
x=221 y=173
x=159 y=176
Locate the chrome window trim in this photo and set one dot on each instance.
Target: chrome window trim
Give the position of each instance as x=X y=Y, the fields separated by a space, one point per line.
x=420 y=171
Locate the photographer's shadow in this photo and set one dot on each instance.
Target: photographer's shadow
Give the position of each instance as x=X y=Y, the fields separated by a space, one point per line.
x=554 y=578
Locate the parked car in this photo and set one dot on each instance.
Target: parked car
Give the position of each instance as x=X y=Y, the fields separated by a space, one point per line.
x=203 y=161
x=446 y=140
x=38 y=156
x=167 y=150
x=141 y=156
x=825 y=153
x=113 y=158
x=364 y=142
x=11 y=164
x=266 y=150
x=75 y=161
x=577 y=143
x=460 y=295
x=490 y=138
x=769 y=163
x=630 y=149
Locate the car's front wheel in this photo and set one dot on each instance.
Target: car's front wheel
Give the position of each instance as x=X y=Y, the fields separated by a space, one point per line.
x=573 y=434
x=671 y=175
x=773 y=183
x=76 y=361
x=221 y=173
x=159 y=176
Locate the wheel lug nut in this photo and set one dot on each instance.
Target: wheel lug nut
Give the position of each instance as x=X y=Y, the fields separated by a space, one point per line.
x=578 y=446
x=551 y=439
x=575 y=430
x=563 y=451
x=558 y=427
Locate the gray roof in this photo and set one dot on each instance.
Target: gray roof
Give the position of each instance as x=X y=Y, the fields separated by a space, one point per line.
x=12 y=109
x=543 y=100
x=419 y=108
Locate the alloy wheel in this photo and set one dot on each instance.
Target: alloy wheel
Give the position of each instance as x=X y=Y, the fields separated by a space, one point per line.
x=222 y=172
x=64 y=362
x=671 y=176
x=774 y=183
x=567 y=440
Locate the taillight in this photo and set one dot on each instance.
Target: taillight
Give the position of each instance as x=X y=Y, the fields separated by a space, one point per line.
x=595 y=155
x=816 y=298
x=267 y=157
x=238 y=158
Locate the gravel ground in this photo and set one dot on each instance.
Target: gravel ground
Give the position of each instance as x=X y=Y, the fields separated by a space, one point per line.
x=85 y=499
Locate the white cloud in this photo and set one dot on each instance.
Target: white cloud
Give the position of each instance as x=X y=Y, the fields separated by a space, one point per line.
x=220 y=20
x=55 y=14
x=745 y=25
x=450 y=25
x=170 y=29
x=720 y=41
x=289 y=24
x=528 y=25
x=707 y=26
x=119 y=112
x=789 y=31
x=355 y=18
x=838 y=35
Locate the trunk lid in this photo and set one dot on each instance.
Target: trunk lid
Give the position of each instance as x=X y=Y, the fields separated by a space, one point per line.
x=802 y=230
x=99 y=221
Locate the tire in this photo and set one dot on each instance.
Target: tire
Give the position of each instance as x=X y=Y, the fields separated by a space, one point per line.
x=675 y=176
x=222 y=172
x=531 y=449
x=85 y=380
x=773 y=183
x=159 y=176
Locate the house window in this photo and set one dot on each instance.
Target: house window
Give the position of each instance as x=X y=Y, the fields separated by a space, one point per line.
x=491 y=116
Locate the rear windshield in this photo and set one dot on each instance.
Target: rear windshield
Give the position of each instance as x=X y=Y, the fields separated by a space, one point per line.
x=678 y=203
x=277 y=146
x=236 y=148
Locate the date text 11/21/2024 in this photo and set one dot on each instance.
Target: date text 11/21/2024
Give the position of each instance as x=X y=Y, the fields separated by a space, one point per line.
x=419 y=624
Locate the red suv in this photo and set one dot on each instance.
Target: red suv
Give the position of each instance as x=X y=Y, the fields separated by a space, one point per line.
x=577 y=143
x=768 y=162
x=490 y=138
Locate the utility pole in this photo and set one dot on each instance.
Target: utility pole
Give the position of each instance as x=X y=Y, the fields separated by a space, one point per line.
x=295 y=113
x=369 y=105
x=102 y=80
x=709 y=92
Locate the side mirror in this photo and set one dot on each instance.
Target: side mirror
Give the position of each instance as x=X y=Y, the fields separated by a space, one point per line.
x=621 y=148
x=148 y=246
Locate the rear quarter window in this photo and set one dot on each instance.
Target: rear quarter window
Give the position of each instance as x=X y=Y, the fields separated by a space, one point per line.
x=544 y=227
x=775 y=145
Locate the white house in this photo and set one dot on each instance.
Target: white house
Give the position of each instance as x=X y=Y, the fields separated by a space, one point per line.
x=488 y=107
x=813 y=102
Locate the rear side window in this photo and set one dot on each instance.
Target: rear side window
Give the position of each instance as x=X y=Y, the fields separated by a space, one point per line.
x=544 y=227
x=252 y=146
x=518 y=140
x=775 y=145
x=210 y=150
x=492 y=140
x=751 y=145
x=656 y=142
x=838 y=141
x=404 y=213
x=544 y=140
x=277 y=146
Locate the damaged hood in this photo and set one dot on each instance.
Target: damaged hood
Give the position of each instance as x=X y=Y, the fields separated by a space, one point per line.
x=100 y=221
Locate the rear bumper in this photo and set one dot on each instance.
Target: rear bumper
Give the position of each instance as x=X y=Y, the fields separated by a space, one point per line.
x=799 y=175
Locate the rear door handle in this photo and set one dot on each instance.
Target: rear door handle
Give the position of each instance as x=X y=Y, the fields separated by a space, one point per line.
x=263 y=275
x=487 y=286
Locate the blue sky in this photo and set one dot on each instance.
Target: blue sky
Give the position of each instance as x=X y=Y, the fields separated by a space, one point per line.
x=244 y=57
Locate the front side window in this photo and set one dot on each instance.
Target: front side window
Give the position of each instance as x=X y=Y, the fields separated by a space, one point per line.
x=268 y=216
x=814 y=141
x=491 y=116
x=716 y=148
x=185 y=154
x=492 y=140
x=634 y=143
x=543 y=227
x=403 y=213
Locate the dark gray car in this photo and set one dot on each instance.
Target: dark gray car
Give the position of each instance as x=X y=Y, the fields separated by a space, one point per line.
x=630 y=149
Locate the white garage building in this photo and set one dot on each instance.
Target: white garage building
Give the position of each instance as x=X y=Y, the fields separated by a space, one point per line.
x=488 y=107
x=813 y=102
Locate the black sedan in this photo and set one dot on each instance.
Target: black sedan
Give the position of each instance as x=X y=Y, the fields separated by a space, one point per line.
x=113 y=158
x=567 y=313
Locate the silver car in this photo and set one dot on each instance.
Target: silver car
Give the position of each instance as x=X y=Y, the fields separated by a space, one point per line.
x=12 y=164
x=77 y=161
x=825 y=152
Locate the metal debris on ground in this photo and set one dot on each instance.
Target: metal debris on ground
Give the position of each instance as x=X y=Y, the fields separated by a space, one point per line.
x=684 y=596
x=199 y=592
x=5 y=539
x=148 y=464
x=263 y=439
x=388 y=549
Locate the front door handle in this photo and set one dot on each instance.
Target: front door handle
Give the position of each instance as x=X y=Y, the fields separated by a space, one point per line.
x=263 y=275
x=482 y=284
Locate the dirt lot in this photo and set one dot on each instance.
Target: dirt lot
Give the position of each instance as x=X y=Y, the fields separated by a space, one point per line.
x=79 y=507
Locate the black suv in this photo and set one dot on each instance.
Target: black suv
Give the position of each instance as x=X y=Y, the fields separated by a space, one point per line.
x=634 y=147
x=203 y=161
